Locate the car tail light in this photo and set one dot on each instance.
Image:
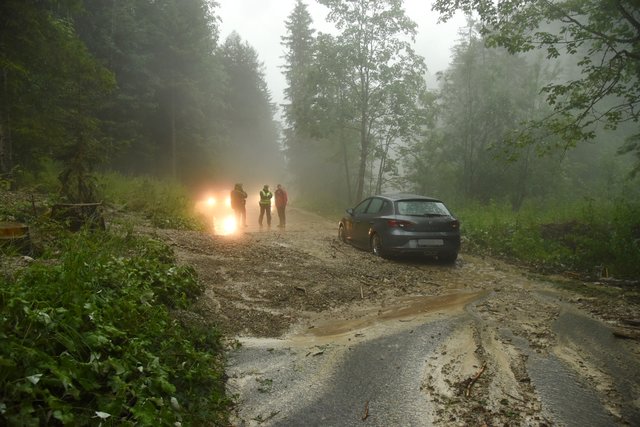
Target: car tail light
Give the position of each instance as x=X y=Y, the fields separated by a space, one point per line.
x=399 y=223
x=455 y=224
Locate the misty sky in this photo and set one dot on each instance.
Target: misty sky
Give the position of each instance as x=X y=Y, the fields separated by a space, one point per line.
x=261 y=24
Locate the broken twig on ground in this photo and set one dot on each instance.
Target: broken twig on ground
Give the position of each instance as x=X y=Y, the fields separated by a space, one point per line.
x=366 y=411
x=626 y=336
x=467 y=392
x=515 y=398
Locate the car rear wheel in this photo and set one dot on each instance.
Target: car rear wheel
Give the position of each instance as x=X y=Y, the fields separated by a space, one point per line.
x=448 y=257
x=341 y=235
x=376 y=246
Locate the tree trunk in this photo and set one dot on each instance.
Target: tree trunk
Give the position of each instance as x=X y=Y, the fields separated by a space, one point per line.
x=364 y=140
x=3 y=164
x=383 y=163
x=364 y=134
x=346 y=165
x=174 y=149
x=520 y=192
x=364 y=149
x=6 y=155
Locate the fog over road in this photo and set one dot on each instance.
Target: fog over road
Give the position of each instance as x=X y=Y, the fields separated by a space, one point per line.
x=325 y=334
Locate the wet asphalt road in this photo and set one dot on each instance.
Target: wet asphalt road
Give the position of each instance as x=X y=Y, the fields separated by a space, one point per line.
x=376 y=381
x=613 y=360
x=379 y=382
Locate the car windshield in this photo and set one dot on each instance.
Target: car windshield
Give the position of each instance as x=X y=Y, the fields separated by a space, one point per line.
x=422 y=208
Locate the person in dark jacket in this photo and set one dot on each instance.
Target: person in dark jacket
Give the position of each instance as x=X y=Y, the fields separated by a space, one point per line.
x=281 y=204
x=238 y=204
x=265 y=205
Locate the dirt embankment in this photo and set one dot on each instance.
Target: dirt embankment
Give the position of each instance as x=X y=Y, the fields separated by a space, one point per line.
x=282 y=283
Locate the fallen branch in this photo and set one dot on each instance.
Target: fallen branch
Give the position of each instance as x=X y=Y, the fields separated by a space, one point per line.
x=631 y=322
x=467 y=392
x=261 y=420
x=366 y=411
x=626 y=336
x=514 y=397
x=361 y=292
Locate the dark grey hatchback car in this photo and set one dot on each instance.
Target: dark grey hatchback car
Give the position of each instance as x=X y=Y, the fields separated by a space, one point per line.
x=391 y=224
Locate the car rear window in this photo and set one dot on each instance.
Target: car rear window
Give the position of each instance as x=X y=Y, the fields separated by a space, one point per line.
x=421 y=207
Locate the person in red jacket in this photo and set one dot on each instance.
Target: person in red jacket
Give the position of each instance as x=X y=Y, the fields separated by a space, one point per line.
x=281 y=203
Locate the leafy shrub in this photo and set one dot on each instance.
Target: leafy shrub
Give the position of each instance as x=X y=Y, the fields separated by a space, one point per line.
x=90 y=338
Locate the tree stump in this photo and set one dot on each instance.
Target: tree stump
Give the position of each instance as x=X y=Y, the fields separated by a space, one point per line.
x=15 y=235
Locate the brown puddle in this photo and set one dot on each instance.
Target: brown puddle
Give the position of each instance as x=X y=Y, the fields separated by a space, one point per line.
x=407 y=309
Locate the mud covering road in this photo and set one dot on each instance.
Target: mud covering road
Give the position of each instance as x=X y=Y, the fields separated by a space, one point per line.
x=325 y=334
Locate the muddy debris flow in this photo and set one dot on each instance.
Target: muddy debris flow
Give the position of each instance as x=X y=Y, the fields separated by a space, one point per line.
x=327 y=334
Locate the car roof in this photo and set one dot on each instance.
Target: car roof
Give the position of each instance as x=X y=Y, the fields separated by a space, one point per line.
x=406 y=196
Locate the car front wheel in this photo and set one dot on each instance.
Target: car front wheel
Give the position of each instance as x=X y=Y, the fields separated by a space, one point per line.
x=341 y=235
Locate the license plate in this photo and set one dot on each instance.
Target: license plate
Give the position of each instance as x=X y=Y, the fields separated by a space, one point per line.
x=430 y=242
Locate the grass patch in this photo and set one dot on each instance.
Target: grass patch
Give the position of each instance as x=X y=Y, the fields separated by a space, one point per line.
x=165 y=203
x=590 y=237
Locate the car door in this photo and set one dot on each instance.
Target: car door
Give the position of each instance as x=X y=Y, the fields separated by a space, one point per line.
x=367 y=219
x=358 y=227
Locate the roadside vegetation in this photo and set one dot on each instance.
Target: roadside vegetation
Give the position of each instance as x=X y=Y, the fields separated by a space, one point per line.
x=96 y=326
x=164 y=203
x=589 y=238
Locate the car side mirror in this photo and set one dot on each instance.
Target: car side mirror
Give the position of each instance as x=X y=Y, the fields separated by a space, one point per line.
x=350 y=211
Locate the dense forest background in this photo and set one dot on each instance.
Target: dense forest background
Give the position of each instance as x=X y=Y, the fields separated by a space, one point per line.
x=147 y=88
x=140 y=87
x=539 y=104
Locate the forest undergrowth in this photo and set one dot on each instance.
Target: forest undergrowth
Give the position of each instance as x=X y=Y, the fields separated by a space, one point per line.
x=591 y=238
x=96 y=326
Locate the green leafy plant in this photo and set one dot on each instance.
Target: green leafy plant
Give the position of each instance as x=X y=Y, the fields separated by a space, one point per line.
x=92 y=337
